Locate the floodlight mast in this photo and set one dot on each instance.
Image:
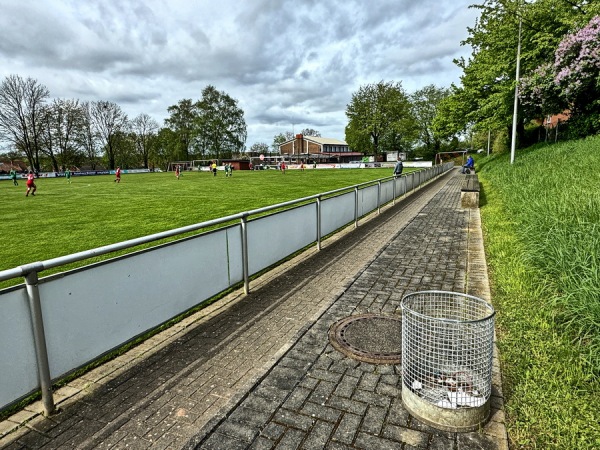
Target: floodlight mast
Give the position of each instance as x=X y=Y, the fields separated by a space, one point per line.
x=513 y=143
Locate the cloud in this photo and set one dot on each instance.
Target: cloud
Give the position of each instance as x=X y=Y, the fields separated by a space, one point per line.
x=288 y=63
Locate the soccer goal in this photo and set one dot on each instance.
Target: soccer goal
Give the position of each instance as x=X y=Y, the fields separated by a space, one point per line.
x=203 y=164
x=183 y=165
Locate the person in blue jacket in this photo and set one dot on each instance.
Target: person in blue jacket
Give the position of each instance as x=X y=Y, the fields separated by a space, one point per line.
x=398 y=168
x=469 y=165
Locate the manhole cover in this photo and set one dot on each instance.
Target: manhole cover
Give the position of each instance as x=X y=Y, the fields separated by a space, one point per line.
x=369 y=338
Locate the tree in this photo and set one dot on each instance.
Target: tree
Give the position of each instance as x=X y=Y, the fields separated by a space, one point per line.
x=126 y=155
x=357 y=139
x=47 y=135
x=165 y=148
x=88 y=138
x=577 y=64
x=144 y=128
x=310 y=132
x=183 y=122
x=488 y=80
x=280 y=138
x=571 y=82
x=63 y=123
x=259 y=148
x=425 y=104
x=488 y=76
x=378 y=114
x=221 y=124
x=539 y=94
x=21 y=110
x=109 y=122
x=452 y=112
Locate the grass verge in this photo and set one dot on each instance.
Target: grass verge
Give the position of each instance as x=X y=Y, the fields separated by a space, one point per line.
x=540 y=219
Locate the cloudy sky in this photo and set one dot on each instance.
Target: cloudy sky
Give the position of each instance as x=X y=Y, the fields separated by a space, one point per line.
x=290 y=64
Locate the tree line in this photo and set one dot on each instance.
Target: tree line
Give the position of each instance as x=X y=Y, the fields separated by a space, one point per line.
x=559 y=75
x=559 y=72
x=383 y=117
x=60 y=133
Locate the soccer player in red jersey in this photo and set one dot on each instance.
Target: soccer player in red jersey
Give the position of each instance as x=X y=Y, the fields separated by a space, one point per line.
x=30 y=184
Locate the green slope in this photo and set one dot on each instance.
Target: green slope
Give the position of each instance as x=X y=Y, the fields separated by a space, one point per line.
x=541 y=219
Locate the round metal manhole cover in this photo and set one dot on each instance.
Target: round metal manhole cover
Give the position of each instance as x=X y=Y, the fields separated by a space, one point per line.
x=371 y=338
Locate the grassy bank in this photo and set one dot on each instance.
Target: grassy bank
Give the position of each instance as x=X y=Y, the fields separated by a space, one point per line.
x=541 y=218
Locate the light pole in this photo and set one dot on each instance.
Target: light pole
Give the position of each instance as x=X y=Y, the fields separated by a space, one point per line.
x=513 y=143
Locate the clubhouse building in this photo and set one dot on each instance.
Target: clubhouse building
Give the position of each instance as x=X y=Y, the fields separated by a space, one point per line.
x=317 y=149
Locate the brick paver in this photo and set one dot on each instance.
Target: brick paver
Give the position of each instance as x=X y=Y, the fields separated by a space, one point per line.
x=258 y=371
x=335 y=402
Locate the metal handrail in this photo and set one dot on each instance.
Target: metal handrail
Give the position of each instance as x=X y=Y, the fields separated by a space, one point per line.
x=30 y=271
x=25 y=269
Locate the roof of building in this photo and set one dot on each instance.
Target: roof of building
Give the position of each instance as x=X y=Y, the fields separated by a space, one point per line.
x=321 y=140
x=318 y=140
x=343 y=153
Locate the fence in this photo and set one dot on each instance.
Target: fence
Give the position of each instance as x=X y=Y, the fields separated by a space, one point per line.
x=54 y=325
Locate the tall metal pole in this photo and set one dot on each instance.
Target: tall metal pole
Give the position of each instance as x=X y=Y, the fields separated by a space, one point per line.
x=513 y=143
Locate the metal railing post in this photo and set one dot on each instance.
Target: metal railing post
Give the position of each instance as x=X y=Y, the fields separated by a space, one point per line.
x=244 y=223
x=319 y=222
x=394 y=190
x=379 y=197
x=356 y=207
x=39 y=338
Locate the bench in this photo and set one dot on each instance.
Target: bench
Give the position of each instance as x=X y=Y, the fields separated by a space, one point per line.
x=469 y=192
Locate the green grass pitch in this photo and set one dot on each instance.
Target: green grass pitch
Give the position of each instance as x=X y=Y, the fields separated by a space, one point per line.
x=94 y=211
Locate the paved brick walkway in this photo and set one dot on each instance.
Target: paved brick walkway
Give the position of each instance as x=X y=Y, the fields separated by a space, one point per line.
x=258 y=371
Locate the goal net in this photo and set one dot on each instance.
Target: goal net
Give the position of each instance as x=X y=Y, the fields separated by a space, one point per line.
x=183 y=166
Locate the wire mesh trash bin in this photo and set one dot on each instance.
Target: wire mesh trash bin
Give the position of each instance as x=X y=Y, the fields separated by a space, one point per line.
x=447 y=351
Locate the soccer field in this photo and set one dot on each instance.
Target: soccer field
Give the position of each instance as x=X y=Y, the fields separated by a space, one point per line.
x=94 y=211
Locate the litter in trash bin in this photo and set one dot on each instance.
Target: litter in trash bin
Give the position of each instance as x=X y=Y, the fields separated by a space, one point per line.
x=460 y=398
x=463 y=399
x=449 y=390
x=417 y=385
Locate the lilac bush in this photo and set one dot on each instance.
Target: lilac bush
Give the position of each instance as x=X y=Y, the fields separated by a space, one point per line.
x=539 y=93
x=571 y=82
x=577 y=62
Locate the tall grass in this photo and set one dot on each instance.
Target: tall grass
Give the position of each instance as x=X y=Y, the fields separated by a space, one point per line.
x=541 y=217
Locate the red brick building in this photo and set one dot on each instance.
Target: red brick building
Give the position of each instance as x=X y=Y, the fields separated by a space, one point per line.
x=238 y=164
x=311 y=148
x=553 y=121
